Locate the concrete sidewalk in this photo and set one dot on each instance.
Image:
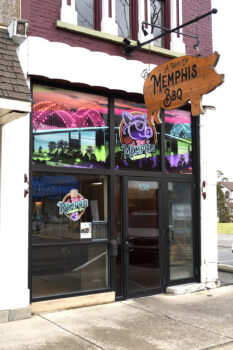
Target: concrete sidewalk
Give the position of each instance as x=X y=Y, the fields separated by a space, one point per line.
x=202 y=320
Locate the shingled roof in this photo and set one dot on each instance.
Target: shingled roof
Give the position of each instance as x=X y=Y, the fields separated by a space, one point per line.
x=12 y=82
x=228 y=185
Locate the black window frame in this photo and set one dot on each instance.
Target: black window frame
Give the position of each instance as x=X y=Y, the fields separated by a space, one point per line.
x=111 y=173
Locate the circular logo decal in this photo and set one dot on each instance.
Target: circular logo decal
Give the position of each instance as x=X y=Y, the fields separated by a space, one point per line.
x=73 y=205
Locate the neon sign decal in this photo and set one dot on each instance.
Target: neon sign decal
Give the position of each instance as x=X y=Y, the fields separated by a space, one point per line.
x=137 y=126
x=73 y=205
x=132 y=151
x=138 y=139
x=47 y=114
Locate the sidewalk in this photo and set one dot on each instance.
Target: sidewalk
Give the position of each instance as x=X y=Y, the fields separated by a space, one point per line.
x=202 y=320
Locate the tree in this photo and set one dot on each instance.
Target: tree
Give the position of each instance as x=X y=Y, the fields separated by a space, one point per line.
x=222 y=206
x=52 y=146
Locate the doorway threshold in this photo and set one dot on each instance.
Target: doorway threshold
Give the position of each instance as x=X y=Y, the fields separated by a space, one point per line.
x=185 y=288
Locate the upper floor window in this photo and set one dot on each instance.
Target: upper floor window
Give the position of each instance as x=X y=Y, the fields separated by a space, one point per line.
x=117 y=17
x=89 y=13
x=123 y=22
x=157 y=19
x=85 y=10
x=227 y=195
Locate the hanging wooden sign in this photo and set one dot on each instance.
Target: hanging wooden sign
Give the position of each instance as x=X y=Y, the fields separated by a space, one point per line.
x=174 y=83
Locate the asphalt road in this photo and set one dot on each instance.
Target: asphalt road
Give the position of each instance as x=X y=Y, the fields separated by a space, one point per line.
x=225 y=256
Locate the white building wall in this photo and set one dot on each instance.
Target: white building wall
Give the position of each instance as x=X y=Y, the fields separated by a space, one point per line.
x=209 y=241
x=14 y=292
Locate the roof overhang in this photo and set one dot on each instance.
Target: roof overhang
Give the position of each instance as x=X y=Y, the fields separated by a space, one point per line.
x=13 y=109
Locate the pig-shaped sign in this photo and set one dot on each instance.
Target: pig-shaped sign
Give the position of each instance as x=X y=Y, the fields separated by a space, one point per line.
x=174 y=83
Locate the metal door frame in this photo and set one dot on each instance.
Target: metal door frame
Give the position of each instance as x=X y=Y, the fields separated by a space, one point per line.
x=166 y=247
x=152 y=291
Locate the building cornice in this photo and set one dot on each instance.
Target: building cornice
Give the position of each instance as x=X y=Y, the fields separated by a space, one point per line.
x=114 y=39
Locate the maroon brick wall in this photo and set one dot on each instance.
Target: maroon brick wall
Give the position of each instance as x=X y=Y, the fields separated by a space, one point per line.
x=192 y=9
x=42 y=15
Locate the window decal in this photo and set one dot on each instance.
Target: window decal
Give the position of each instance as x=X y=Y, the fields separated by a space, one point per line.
x=137 y=144
x=178 y=141
x=138 y=139
x=73 y=205
x=70 y=128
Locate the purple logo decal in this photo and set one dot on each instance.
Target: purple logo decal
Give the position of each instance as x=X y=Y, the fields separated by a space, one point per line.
x=138 y=139
x=136 y=126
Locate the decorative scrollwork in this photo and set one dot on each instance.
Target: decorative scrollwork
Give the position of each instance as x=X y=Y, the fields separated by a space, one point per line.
x=145 y=73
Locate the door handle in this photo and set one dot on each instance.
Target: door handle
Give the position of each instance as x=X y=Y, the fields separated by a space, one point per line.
x=170 y=232
x=129 y=246
x=114 y=247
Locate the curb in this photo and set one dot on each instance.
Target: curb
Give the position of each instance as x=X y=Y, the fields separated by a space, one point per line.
x=225 y=268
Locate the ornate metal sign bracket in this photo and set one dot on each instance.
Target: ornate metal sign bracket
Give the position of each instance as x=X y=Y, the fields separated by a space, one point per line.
x=128 y=49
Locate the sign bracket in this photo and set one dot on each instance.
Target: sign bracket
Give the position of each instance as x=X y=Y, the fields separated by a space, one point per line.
x=128 y=49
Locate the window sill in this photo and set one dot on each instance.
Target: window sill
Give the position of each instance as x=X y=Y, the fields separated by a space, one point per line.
x=113 y=38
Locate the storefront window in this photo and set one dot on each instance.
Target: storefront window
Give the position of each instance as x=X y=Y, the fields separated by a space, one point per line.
x=178 y=141
x=70 y=129
x=137 y=145
x=76 y=188
x=180 y=230
x=69 y=233
x=57 y=217
x=69 y=269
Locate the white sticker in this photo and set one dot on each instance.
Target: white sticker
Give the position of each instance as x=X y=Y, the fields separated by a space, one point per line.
x=85 y=230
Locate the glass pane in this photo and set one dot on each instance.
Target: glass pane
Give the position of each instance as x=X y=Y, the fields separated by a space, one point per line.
x=157 y=19
x=123 y=18
x=69 y=269
x=69 y=208
x=137 y=145
x=119 y=259
x=180 y=230
x=143 y=236
x=178 y=142
x=85 y=9
x=70 y=128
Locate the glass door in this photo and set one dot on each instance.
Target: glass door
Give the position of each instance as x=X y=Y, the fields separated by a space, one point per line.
x=179 y=222
x=142 y=237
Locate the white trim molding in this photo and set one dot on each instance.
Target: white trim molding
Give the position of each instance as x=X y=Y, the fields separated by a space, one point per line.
x=68 y=13
x=177 y=43
x=15 y=105
x=108 y=24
